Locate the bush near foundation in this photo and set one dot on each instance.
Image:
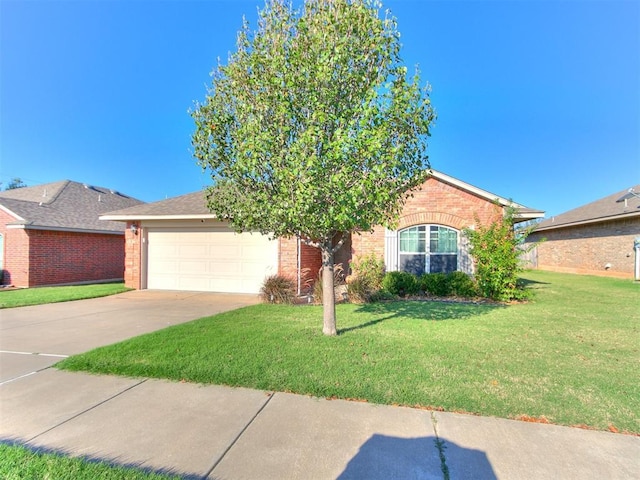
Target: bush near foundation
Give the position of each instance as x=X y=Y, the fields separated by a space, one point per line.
x=400 y=283
x=365 y=281
x=278 y=289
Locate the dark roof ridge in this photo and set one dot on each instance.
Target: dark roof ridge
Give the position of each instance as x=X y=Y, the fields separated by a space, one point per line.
x=56 y=194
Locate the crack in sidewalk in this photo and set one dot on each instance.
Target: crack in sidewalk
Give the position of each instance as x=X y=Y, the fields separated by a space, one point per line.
x=87 y=410
x=440 y=446
x=235 y=440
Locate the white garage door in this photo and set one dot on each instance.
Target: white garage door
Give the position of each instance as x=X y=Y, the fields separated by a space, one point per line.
x=209 y=260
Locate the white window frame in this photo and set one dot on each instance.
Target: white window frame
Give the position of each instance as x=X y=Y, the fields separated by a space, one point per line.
x=392 y=248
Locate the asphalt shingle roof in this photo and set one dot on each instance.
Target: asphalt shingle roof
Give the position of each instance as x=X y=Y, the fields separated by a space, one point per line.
x=606 y=208
x=65 y=205
x=194 y=204
x=189 y=204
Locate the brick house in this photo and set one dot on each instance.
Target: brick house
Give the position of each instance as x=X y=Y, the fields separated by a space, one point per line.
x=594 y=239
x=178 y=244
x=50 y=234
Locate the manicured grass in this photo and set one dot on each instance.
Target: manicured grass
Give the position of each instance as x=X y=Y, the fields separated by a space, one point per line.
x=20 y=463
x=570 y=356
x=38 y=296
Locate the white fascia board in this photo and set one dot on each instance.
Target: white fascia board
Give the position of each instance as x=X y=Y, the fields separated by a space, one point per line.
x=133 y=218
x=579 y=223
x=475 y=190
x=524 y=216
x=62 y=229
x=13 y=214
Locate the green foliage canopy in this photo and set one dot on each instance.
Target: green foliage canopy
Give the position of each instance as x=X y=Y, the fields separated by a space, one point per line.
x=313 y=127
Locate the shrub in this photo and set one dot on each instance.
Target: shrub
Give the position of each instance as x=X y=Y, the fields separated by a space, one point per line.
x=462 y=285
x=278 y=289
x=400 y=283
x=435 y=284
x=365 y=279
x=369 y=269
x=382 y=296
x=495 y=249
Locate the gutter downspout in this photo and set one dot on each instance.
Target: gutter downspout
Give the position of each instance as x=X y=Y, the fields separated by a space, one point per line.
x=636 y=247
x=298 y=277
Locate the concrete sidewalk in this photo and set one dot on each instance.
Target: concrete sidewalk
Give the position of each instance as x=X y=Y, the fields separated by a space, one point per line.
x=217 y=432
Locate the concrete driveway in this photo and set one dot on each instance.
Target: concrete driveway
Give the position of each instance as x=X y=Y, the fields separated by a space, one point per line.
x=36 y=337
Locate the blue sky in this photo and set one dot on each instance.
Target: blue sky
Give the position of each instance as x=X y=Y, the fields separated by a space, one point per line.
x=538 y=101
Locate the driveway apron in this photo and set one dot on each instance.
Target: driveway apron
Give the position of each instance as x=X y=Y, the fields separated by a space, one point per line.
x=36 y=337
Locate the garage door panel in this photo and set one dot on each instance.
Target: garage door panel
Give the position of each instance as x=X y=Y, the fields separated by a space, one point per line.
x=166 y=266
x=252 y=252
x=165 y=282
x=199 y=284
x=193 y=267
x=231 y=251
x=256 y=268
x=209 y=260
x=193 y=251
x=167 y=250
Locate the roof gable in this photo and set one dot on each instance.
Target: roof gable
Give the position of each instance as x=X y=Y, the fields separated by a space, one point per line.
x=605 y=209
x=194 y=206
x=522 y=213
x=64 y=205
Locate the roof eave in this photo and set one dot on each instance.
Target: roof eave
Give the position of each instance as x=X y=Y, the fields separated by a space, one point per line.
x=521 y=216
x=23 y=226
x=589 y=221
x=133 y=217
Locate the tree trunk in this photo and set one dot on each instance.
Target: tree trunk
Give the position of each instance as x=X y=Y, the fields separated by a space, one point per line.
x=328 y=294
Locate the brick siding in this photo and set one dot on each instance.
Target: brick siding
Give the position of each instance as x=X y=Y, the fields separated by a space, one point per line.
x=16 y=252
x=132 y=257
x=437 y=203
x=434 y=203
x=43 y=257
x=310 y=262
x=588 y=249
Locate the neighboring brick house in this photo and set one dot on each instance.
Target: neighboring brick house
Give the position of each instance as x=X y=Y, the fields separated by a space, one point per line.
x=594 y=239
x=50 y=234
x=178 y=244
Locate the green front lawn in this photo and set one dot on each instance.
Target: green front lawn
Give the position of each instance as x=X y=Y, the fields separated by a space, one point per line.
x=37 y=296
x=18 y=463
x=570 y=356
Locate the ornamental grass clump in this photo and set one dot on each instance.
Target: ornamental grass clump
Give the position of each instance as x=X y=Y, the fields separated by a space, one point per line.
x=278 y=289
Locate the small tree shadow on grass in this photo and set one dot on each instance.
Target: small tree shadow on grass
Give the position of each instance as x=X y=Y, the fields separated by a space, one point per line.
x=421 y=310
x=527 y=282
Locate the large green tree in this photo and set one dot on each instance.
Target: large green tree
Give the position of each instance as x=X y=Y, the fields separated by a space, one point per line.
x=313 y=127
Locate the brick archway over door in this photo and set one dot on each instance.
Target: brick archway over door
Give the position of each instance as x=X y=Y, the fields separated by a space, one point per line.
x=432 y=218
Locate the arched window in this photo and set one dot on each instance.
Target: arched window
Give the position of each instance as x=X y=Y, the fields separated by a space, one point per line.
x=428 y=249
